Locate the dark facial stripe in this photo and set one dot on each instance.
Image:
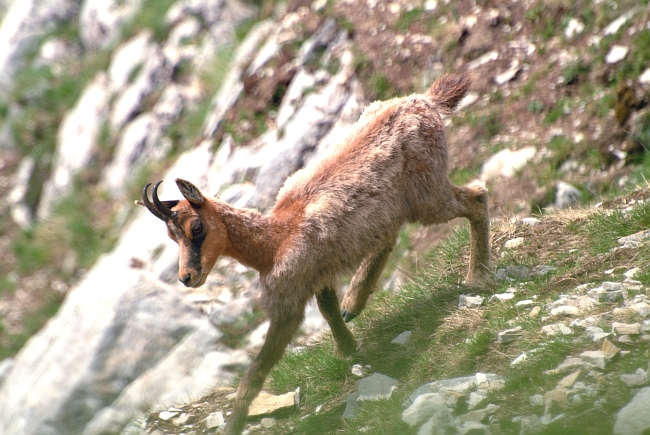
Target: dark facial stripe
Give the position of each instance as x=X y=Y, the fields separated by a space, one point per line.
x=194 y=250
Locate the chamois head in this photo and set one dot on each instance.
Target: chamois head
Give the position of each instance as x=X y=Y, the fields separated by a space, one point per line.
x=192 y=224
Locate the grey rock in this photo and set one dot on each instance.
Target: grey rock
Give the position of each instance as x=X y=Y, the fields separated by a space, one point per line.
x=139 y=143
x=5 y=368
x=143 y=345
x=595 y=357
x=518 y=272
x=22 y=212
x=53 y=52
x=542 y=270
x=351 y=406
x=214 y=419
x=268 y=404
x=566 y=310
x=76 y=141
x=634 y=418
x=167 y=415
x=536 y=400
x=128 y=57
x=615 y=25
x=616 y=54
x=232 y=85
x=596 y=334
x=645 y=77
x=475 y=399
x=636 y=379
x=321 y=38
x=303 y=133
x=467 y=301
x=101 y=21
x=636 y=237
x=477 y=415
x=569 y=365
x=462 y=386
x=473 y=428
x=425 y=407
x=514 y=243
x=626 y=328
x=403 y=338
x=556 y=329
x=502 y=297
x=376 y=386
x=566 y=195
x=508 y=74
x=439 y=424
x=358 y=370
x=509 y=335
x=506 y=163
x=530 y=424
x=612 y=286
x=24 y=23
x=525 y=303
x=268 y=422
x=153 y=73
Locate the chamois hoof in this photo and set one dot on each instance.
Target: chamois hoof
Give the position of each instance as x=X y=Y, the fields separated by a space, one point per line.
x=348 y=316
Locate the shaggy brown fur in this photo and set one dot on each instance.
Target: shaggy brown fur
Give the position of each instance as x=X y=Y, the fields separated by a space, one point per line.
x=336 y=216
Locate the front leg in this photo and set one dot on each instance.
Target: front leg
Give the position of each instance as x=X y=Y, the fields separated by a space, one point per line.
x=363 y=284
x=277 y=338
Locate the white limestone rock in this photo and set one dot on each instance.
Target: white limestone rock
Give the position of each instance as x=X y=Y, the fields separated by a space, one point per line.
x=566 y=195
x=143 y=344
x=76 y=141
x=425 y=407
x=634 y=418
x=376 y=386
x=506 y=163
x=101 y=20
x=24 y=23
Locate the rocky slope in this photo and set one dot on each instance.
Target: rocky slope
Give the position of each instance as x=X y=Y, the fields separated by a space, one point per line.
x=97 y=98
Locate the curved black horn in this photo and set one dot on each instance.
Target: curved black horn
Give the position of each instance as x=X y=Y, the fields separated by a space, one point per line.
x=167 y=213
x=149 y=205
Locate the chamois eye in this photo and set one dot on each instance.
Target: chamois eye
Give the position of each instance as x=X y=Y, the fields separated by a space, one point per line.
x=197 y=228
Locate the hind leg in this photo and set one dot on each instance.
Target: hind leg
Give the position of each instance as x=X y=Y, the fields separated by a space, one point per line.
x=363 y=284
x=328 y=304
x=472 y=204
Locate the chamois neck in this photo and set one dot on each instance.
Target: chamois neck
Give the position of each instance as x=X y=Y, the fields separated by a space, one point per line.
x=252 y=238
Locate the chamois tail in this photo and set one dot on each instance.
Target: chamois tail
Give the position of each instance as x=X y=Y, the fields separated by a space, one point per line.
x=448 y=90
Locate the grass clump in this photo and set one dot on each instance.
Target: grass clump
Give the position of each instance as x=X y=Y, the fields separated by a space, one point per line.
x=604 y=229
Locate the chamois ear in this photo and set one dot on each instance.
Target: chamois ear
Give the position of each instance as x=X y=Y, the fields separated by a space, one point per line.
x=190 y=192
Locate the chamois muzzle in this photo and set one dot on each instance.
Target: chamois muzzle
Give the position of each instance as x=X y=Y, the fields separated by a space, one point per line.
x=157 y=208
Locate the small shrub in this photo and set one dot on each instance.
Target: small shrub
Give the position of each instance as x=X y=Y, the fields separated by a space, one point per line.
x=574 y=70
x=557 y=112
x=535 y=106
x=408 y=17
x=638 y=58
x=380 y=86
x=32 y=254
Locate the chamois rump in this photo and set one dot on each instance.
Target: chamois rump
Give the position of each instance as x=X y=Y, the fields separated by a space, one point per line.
x=336 y=216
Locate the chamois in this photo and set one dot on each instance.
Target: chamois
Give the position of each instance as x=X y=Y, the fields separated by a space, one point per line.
x=336 y=216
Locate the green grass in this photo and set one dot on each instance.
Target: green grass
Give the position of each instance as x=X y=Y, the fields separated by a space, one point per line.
x=638 y=58
x=558 y=111
x=73 y=227
x=447 y=342
x=575 y=70
x=150 y=16
x=12 y=343
x=32 y=253
x=604 y=229
x=486 y=126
